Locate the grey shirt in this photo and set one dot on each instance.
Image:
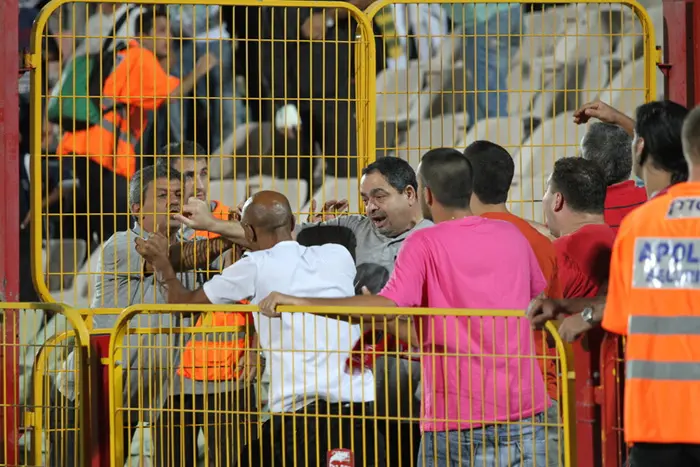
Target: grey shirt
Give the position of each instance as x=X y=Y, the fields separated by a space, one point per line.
x=152 y=358
x=392 y=375
x=372 y=246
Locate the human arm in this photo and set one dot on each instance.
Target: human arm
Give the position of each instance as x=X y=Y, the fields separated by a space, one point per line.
x=268 y=306
x=201 y=68
x=197 y=215
x=234 y=284
x=604 y=113
x=404 y=289
x=543 y=309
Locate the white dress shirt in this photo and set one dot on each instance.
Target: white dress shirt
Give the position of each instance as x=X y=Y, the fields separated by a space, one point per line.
x=306 y=354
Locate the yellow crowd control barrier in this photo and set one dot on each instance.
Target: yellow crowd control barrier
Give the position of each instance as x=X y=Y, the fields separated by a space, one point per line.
x=299 y=98
x=511 y=73
x=307 y=389
x=43 y=426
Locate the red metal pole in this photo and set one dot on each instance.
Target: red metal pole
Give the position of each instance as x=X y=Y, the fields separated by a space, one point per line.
x=9 y=230
x=682 y=51
x=588 y=413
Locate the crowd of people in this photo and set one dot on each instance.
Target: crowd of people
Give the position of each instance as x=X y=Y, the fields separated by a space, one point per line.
x=441 y=238
x=616 y=253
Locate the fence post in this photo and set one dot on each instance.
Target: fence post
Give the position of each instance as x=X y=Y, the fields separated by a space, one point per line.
x=9 y=230
x=588 y=413
x=682 y=51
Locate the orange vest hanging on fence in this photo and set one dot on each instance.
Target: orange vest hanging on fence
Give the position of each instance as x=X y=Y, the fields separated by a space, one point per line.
x=220 y=211
x=214 y=356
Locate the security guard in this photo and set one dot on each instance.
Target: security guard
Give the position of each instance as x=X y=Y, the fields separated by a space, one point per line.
x=654 y=300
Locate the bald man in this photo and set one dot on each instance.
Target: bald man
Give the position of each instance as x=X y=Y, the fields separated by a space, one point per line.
x=305 y=353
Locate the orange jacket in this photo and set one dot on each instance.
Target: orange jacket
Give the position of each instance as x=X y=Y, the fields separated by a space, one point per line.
x=214 y=356
x=138 y=83
x=220 y=211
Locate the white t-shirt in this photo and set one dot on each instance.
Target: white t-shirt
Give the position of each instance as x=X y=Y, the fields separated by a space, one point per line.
x=306 y=354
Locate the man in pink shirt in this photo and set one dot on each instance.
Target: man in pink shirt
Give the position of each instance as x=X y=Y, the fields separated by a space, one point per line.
x=478 y=372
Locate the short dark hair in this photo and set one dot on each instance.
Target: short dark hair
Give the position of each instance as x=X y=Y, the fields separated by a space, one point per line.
x=609 y=146
x=175 y=152
x=581 y=182
x=691 y=136
x=146 y=20
x=449 y=175
x=371 y=275
x=397 y=172
x=323 y=234
x=493 y=169
x=660 y=123
x=142 y=179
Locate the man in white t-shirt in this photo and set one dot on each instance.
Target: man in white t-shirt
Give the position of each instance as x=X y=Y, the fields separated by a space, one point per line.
x=305 y=353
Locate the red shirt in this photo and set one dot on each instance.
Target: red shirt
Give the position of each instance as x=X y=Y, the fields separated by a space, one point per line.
x=620 y=200
x=583 y=259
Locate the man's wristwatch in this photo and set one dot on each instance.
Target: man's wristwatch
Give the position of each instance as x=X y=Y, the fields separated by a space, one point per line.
x=587 y=315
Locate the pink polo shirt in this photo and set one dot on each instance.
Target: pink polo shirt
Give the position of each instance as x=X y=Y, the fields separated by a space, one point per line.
x=475 y=370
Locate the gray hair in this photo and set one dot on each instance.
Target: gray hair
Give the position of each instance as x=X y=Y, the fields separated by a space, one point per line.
x=142 y=179
x=610 y=147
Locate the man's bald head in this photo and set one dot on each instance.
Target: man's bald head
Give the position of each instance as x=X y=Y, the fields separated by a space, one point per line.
x=268 y=211
x=691 y=136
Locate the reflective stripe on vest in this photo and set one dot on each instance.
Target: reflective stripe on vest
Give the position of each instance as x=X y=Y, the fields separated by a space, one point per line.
x=663 y=326
x=214 y=356
x=112 y=128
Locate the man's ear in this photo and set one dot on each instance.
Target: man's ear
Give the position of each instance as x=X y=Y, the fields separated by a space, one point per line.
x=135 y=209
x=250 y=235
x=411 y=193
x=428 y=193
x=558 y=204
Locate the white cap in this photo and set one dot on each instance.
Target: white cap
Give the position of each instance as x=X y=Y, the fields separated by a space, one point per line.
x=287 y=117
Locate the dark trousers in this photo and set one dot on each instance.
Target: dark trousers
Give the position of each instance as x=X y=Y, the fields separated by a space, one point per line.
x=402 y=440
x=225 y=418
x=665 y=455
x=313 y=431
x=102 y=205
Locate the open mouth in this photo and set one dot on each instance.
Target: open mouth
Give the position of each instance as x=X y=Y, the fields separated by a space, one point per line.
x=378 y=221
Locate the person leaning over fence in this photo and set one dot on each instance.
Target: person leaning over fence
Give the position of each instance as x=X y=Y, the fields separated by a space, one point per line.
x=389 y=191
x=215 y=358
x=609 y=146
x=493 y=175
x=104 y=147
x=305 y=354
x=465 y=261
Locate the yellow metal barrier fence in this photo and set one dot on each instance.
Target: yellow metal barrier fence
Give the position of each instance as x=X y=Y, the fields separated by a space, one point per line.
x=54 y=429
x=264 y=414
x=271 y=99
x=298 y=98
x=512 y=73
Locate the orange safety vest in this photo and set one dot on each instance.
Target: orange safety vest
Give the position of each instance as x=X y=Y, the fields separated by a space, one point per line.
x=220 y=211
x=214 y=356
x=138 y=83
x=654 y=299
